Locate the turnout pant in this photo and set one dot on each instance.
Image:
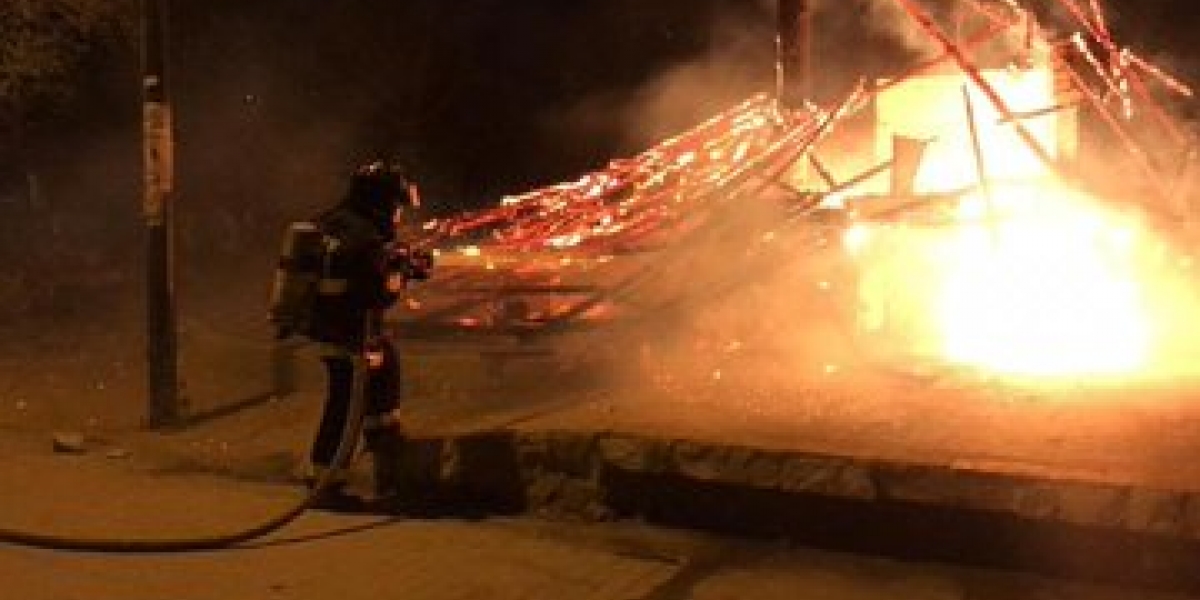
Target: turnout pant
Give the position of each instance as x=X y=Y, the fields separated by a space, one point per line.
x=382 y=390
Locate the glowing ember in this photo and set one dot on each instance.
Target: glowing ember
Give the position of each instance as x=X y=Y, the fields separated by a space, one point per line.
x=971 y=249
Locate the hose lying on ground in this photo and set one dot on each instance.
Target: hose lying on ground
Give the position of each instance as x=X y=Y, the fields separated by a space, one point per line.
x=345 y=451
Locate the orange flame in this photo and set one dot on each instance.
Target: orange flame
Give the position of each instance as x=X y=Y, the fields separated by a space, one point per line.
x=1052 y=283
x=1053 y=290
x=1031 y=278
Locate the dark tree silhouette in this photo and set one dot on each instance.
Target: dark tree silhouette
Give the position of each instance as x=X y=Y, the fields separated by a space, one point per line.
x=43 y=43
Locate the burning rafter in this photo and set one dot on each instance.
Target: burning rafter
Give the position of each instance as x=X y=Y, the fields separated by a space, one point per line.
x=558 y=256
x=615 y=207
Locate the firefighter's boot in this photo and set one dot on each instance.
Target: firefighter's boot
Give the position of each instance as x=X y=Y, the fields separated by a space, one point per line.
x=333 y=496
x=386 y=446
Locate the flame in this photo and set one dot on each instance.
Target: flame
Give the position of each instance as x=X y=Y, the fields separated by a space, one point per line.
x=934 y=108
x=1054 y=289
x=1051 y=283
x=1030 y=278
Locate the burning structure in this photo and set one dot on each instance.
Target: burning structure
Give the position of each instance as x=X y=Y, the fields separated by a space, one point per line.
x=960 y=213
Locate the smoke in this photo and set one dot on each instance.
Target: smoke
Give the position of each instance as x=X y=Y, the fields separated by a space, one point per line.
x=741 y=319
x=880 y=18
x=721 y=311
x=735 y=61
x=728 y=319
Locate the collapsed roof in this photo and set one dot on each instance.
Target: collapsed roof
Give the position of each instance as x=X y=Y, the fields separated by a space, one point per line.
x=608 y=243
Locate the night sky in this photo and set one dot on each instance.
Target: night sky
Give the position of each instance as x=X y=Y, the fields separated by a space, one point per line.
x=276 y=99
x=485 y=97
x=481 y=97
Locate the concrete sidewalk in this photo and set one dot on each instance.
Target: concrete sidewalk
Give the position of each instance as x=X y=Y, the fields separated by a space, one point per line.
x=320 y=556
x=1099 y=481
x=326 y=555
x=1119 y=459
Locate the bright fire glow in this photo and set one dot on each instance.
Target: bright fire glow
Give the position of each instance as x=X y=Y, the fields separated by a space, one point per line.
x=1053 y=289
x=1049 y=283
x=934 y=108
x=1029 y=277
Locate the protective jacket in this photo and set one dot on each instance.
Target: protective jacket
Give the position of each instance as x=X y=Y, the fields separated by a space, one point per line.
x=355 y=282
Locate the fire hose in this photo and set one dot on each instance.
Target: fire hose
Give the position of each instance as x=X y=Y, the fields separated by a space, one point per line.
x=347 y=445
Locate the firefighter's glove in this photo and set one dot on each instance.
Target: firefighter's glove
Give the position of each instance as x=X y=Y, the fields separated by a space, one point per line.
x=396 y=282
x=414 y=263
x=422 y=263
x=374 y=355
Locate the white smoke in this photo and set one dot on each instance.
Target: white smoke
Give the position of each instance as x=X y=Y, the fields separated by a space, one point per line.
x=883 y=18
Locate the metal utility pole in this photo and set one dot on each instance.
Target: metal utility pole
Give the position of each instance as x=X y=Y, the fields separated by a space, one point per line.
x=794 y=52
x=164 y=408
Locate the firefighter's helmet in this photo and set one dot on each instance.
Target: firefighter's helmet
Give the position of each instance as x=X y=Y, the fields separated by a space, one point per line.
x=380 y=183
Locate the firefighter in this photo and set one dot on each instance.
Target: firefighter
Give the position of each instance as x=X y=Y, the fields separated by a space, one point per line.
x=364 y=276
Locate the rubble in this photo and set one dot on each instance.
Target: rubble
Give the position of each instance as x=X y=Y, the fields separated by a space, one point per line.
x=645 y=235
x=69 y=442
